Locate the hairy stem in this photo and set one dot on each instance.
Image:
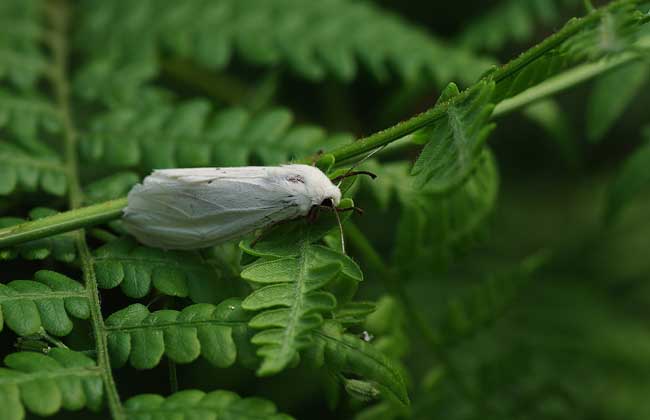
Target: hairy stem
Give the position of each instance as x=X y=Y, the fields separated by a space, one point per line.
x=59 y=14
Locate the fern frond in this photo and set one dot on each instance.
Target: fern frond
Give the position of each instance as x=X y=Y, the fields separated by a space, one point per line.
x=24 y=115
x=21 y=60
x=189 y=135
x=633 y=178
x=611 y=95
x=617 y=30
x=111 y=187
x=388 y=326
x=511 y=21
x=194 y=404
x=289 y=281
x=485 y=302
x=142 y=337
x=60 y=247
x=20 y=169
x=456 y=220
x=28 y=306
x=45 y=384
x=454 y=143
x=136 y=269
x=314 y=39
x=347 y=354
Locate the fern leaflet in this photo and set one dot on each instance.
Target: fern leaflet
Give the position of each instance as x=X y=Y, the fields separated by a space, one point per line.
x=136 y=269
x=43 y=384
x=289 y=278
x=29 y=306
x=194 y=404
x=142 y=337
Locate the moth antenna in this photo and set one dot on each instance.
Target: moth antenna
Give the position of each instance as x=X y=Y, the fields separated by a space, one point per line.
x=353 y=173
x=338 y=219
x=365 y=158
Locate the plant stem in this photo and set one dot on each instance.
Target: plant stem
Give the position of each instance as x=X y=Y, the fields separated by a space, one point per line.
x=561 y=82
x=511 y=69
x=62 y=222
x=59 y=14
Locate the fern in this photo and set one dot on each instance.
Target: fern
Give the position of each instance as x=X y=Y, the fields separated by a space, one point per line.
x=60 y=247
x=456 y=219
x=31 y=306
x=454 y=144
x=269 y=33
x=21 y=60
x=349 y=355
x=26 y=115
x=191 y=404
x=290 y=296
x=611 y=95
x=95 y=94
x=142 y=337
x=21 y=169
x=616 y=30
x=136 y=269
x=161 y=135
x=46 y=383
x=485 y=302
x=511 y=21
x=633 y=177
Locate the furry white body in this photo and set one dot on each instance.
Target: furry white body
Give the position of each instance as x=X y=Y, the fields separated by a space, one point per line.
x=199 y=207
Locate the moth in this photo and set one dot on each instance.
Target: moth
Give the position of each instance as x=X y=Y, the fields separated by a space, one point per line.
x=200 y=207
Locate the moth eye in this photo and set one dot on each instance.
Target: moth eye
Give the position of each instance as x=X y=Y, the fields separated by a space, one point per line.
x=328 y=202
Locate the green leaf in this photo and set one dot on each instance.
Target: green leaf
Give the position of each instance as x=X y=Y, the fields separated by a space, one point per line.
x=348 y=354
x=60 y=247
x=138 y=268
x=161 y=135
x=142 y=337
x=20 y=169
x=28 y=306
x=455 y=142
x=44 y=384
x=21 y=60
x=485 y=302
x=511 y=21
x=631 y=180
x=611 y=96
x=111 y=187
x=299 y=38
x=290 y=280
x=614 y=29
x=193 y=404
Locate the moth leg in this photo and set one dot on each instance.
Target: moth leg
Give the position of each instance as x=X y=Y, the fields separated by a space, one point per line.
x=357 y=210
x=312 y=216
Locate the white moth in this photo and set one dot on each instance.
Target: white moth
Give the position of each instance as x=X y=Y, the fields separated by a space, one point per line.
x=200 y=207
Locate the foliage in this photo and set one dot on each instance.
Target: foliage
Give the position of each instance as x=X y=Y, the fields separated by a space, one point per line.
x=424 y=306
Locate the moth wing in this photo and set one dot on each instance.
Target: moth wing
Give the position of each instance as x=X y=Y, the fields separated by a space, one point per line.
x=194 y=208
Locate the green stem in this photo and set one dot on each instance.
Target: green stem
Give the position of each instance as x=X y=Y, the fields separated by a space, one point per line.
x=365 y=145
x=62 y=222
x=59 y=14
x=561 y=82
